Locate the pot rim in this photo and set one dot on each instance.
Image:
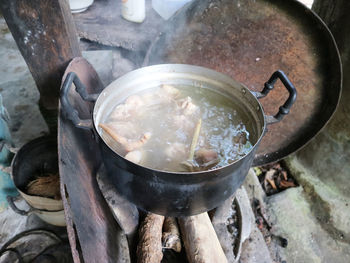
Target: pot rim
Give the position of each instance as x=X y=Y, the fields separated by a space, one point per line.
x=182 y=68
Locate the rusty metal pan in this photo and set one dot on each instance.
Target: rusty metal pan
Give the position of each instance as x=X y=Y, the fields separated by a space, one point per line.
x=249 y=40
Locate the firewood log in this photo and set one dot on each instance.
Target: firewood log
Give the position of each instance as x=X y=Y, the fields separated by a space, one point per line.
x=200 y=240
x=171 y=234
x=149 y=248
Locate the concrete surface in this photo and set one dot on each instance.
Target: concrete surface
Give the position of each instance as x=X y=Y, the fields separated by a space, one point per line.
x=330 y=205
x=313 y=218
x=254 y=249
x=292 y=218
x=19 y=91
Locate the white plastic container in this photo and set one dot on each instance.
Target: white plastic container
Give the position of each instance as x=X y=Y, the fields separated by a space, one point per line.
x=134 y=10
x=78 y=6
x=166 y=8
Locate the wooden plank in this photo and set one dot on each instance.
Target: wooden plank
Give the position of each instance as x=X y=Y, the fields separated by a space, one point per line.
x=70 y=225
x=79 y=159
x=46 y=37
x=103 y=23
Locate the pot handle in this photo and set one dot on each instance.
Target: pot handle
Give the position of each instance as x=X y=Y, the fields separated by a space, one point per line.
x=269 y=85
x=15 y=209
x=68 y=110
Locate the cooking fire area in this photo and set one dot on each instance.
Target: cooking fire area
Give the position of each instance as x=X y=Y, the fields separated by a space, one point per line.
x=174 y=131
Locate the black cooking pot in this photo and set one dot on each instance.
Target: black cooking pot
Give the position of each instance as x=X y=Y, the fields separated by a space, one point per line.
x=176 y=193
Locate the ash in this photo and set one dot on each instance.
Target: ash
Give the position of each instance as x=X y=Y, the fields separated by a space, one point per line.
x=233 y=226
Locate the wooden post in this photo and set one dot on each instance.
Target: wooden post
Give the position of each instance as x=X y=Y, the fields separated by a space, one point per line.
x=46 y=37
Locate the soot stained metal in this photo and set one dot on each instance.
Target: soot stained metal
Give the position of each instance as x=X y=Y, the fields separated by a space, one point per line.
x=248 y=40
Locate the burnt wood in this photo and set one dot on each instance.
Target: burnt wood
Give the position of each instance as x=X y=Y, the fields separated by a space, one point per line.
x=46 y=37
x=97 y=231
x=70 y=225
x=124 y=212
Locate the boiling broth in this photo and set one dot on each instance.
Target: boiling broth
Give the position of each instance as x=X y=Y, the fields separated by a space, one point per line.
x=156 y=129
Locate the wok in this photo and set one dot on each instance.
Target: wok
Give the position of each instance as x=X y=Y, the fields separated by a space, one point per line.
x=247 y=40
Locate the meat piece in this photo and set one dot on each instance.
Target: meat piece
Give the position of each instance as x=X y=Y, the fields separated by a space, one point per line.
x=203 y=156
x=240 y=138
x=134 y=156
x=188 y=107
x=124 y=128
x=159 y=98
x=170 y=90
x=150 y=98
x=184 y=122
x=204 y=159
x=165 y=95
x=134 y=102
x=128 y=144
x=124 y=111
x=133 y=145
x=121 y=112
x=175 y=149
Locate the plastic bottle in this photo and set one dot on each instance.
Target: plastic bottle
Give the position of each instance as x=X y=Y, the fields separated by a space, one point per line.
x=134 y=10
x=166 y=8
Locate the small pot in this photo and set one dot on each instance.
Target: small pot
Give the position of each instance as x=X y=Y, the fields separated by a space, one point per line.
x=37 y=156
x=55 y=218
x=176 y=193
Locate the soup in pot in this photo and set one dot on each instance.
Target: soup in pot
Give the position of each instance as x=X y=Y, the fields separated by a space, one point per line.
x=178 y=129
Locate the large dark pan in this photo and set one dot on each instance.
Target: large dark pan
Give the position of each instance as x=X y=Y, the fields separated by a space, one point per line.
x=247 y=40
x=174 y=193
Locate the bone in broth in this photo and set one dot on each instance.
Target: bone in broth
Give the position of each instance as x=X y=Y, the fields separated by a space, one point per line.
x=178 y=129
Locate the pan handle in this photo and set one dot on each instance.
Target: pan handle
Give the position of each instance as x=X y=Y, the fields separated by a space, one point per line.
x=11 y=202
x=269 y=85
x=68 y=110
